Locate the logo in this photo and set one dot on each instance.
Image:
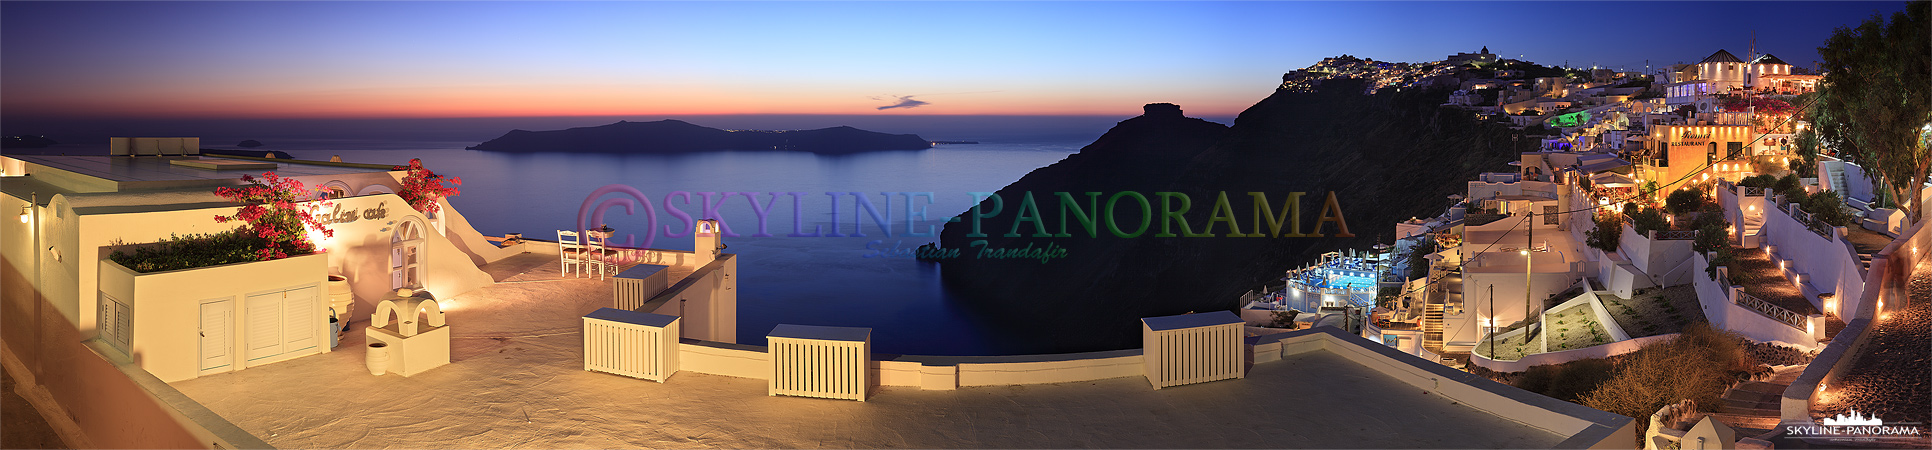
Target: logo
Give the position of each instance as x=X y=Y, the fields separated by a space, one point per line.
x=1856 y=419
x=1044 y=216
x=1854 y=426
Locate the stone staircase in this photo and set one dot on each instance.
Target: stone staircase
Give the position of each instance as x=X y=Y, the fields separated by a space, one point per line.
x=1751 y=407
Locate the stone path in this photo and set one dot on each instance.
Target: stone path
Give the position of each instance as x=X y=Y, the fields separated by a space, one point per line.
x=1892 y=377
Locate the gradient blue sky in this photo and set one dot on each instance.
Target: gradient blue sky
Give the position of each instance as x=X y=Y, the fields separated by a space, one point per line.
x=461 y=59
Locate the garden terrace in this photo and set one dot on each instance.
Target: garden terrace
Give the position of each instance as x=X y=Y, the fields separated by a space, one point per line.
x=1575 y=328
x=1763 y=279
x=1572 y=328
x=1888 y=379
x=1653 y=311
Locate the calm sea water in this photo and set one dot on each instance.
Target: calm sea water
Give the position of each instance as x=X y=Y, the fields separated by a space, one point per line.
x=834 y=281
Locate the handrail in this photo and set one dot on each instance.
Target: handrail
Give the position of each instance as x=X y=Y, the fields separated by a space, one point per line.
x=1766 y=308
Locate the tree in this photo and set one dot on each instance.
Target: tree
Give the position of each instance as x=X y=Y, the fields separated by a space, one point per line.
x=1875 y=102
x=1608 y=233
x=1687 y=199
x=1419 y=258
x=1647 y=219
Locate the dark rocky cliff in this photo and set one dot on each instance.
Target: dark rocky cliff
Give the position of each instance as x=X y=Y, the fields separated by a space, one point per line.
x=676 y=136
x=1386 y=157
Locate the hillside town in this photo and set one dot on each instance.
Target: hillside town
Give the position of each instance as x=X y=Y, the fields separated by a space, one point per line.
x=1650 y=213
x=1730 y=253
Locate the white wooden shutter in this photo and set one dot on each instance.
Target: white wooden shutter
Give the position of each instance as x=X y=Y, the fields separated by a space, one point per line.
x=115 y=322
x=216 y=320
x=299 y=321
x=264 y=337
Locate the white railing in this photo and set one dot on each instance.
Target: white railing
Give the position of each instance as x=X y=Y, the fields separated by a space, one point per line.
x=824 y=362
x=1192 y=348
x=1772 y=311
x=632 y=344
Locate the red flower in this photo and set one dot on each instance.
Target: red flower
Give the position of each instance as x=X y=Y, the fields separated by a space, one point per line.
x=274 y=215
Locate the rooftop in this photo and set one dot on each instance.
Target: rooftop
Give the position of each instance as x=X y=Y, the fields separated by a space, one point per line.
x=1722 y=57
x=516 y=379
x=153 y=172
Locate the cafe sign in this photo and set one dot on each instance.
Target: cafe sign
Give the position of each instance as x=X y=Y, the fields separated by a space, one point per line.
x=340 y=215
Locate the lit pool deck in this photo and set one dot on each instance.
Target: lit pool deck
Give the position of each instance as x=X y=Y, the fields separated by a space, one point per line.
x=516 y=380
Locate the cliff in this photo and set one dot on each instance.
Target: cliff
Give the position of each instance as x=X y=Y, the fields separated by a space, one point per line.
x=1386 y=157
x=675 y=136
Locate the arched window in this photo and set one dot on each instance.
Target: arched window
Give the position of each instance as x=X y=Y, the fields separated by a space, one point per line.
x=406 y=255
x=375 y=189
x=335 y=189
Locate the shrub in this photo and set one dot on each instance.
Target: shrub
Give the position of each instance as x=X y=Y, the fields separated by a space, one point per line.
x=191 y=251
x=1711 y=235
x=1567 y=381
x=1608 y=234
x=1648 y=219
x=421 y=187
x=1828 y=207
x=1685 y=200
x=273 y=216
x=1698 y=365
x=1790 y=187
x=1763 y=180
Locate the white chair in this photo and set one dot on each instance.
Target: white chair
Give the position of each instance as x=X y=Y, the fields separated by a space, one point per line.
x=570 y=250
x=596 y=258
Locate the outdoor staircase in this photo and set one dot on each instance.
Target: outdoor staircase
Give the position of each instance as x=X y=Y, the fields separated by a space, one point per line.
x=1837 y=174
x=1432 y=325
x=1751 y=407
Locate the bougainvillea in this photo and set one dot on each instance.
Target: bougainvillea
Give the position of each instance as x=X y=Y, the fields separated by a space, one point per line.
x=275 y=215
x=421 y=187
x=1767 y=106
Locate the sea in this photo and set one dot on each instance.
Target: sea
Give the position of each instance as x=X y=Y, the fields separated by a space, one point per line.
x=870 y=281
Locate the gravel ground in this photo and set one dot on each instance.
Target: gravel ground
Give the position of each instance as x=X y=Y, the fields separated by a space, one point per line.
x=1892 y=378
x=1657 y=311
x=1760 y=277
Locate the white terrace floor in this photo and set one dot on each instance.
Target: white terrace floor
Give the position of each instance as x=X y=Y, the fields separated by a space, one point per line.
x=516 y=380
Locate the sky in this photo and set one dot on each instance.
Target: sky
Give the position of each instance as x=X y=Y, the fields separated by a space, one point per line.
x=84 y=60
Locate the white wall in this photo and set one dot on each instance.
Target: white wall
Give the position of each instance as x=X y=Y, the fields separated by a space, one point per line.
x=1723 y=312
x=1830 y=263
x=360 y=251
x=707 y=300
x=166 y=339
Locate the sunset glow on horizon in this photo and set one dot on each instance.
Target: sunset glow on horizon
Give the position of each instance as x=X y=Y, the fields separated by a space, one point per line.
x=497 y=59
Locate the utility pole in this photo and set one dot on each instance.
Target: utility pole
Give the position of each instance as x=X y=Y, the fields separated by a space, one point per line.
x=1529 y=240
x=1491 y=326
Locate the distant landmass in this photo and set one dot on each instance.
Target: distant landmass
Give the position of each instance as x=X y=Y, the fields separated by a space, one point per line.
x=676 y=136
x=26 y=142
x=1386 y=157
